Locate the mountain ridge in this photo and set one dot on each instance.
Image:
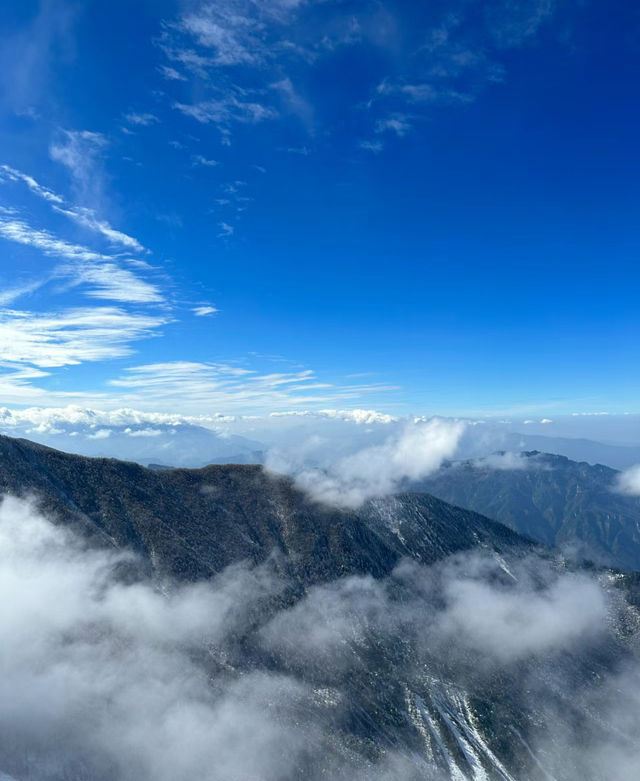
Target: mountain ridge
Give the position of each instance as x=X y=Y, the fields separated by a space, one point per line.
x=410 y=639
x=192 y=523
x=551 y=499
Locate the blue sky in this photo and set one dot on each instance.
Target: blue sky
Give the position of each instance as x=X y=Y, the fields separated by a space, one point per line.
x=244 y=207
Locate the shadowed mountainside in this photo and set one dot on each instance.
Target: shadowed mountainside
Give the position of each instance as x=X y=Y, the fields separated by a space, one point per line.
x=456 y=661
x=191 y=523
x=551 y=499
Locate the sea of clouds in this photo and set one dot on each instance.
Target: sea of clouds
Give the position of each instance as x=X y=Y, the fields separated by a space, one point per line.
x=107 y=676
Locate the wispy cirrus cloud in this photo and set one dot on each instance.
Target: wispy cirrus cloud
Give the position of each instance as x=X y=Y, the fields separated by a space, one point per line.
x=232 y=37
x=32 y=342
x=232 y=388
x=103 y=275
x=21 y=232
x=13 y=175
x=226 y=230
x=224 y=111
x=201 y=160
x=435 y=56
x=141 y=119
x=204 y=311
x=112 y=282
x=72 y=336
x=238 y=32
x=11 y=294
x=83 y=216
x=88 y=219
x=171 y=74
x=400 y=124
x=78 y=151
x=511 y=24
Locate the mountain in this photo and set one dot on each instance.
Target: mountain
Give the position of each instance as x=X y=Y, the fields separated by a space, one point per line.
x=192 y=523
x=551 y=499
x=179 y=444
x=575 y=448
x=265 y=636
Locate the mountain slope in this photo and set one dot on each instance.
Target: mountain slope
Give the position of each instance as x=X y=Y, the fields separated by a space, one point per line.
x=407 y=640
x=192 y=523
x=551 y=499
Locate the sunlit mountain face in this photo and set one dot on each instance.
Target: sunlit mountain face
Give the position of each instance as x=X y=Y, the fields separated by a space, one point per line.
x=319 y=423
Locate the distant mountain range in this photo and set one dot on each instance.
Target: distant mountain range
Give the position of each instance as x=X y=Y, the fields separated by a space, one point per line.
x=409 y=639
x=180 y=444
x=577 y=449
x=551 y=499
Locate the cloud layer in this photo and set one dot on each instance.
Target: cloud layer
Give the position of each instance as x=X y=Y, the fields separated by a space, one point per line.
x=378 y=470
x=106 y=676
x=629 y=481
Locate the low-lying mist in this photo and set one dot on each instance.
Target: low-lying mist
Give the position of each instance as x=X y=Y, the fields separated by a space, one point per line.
x=410 y=453
x=106 y=676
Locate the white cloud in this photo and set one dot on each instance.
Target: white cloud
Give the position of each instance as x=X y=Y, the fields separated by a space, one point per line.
x=101 y=433
x=294 y=101
x=234 y=32
x=225 y=230
x=413 y=453
x=519 y=21
x=80 y=215
x=232 y=36
x=109 y=281
x=430 y=93
x=204 y=391
x=77 y=150
x=372 y=146
x=9 y=295
x=453 y=57
x=171 y=74
x=22 y=233
x=47 y=418
x=203 y=311
x=226 y=110
x=88 y=219
x=42 y=192
x=113 y=670
x=123 y=678
x=201 y=160
x=70 y=416
x=142 y=120
x=47 y=340
x=397 y=123
x=101 y=272
x=358 y=416
x=228 y=388
x=509 y=624
x=628 y=482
